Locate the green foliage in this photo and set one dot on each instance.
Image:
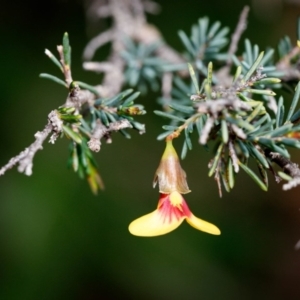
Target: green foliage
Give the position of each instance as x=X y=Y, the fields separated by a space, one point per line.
x=82 y=121
x=246 y=61
x=226 y=98
x=242 y=126
x=142 y=65
x=205 y=43
x=240 y=115
x=83 y=163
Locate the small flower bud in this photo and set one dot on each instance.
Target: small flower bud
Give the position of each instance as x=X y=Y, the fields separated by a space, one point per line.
x=169 y=174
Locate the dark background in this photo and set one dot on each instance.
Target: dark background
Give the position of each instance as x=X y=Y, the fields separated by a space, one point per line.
x=58 y=241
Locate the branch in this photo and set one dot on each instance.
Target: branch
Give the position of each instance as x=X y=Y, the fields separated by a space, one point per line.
x=129 y=20
x=223 y=74
x=97 y=42
x=25 y=158
x=287 y=166
x=151 y=7
x=285 y=65
x=240 y=28
x=78 y=97
x=234 y=158
x=101 y=131
x=166 y=87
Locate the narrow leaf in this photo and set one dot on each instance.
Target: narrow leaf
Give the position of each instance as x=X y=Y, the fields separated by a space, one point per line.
x=54 y=59
x=280 y=112
x=254 y=177
x=188 y=139
x=208 y=90
x=291 y=142
x=75 y=159
x=224 y=130
x=221 y=34
x=186 y=42
x=168 y=115
x=170 y=127
x=266 y=142
x=264 y=174
x=230 y=173
x=241 y=123
x=281 y=150
x=253 y=67
x=244 y=149
x=261 y=92
x=225 y=180
x=164 y=135
x=199 y=125
x=294 y=102
x=259 y=156
x=193 y=77
x=53 y=78
x=295 y=117
x=209 y=74
x=280 y=131
x=182 y=108
x=73 y=135
x=103 y=117
x=203 y=25
x=87 y=87
x=213 y=29
x=216 y=160
x=249 y=57
x=255 y=112
x=184 y=150
x=66 y=49
x=284 y=176
x=130 y=99
x=268 y=80
x=267 y=57
x=125 y=133
x=237 y=74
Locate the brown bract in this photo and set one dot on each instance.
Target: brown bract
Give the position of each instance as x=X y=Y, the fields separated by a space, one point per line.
x=169 y=174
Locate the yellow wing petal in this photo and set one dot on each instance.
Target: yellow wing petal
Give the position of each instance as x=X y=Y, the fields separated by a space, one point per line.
x=203 y=225
x=153 y=224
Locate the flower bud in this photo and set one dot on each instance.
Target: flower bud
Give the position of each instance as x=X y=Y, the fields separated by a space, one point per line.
x=169 y=174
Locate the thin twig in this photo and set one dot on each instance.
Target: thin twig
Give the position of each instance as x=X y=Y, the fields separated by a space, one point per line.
x=101 y=131
x=287 y=166
x=234 y=158
x=151 y=7
x=217 y=178
x=206 y=130
x=98 y=67
x=284 y=65
x=284 y=163
x=66 y=68
x=25 y=158
x=95 y=43
x=223 y=75
x=235 y=38
x=129 y=20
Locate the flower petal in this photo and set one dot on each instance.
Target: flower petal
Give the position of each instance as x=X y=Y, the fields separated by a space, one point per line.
x=154 y=224
x=169 y=174
x=203 y=225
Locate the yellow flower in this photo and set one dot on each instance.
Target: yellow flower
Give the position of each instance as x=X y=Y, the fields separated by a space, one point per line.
x=170 y=213
x=172 y=208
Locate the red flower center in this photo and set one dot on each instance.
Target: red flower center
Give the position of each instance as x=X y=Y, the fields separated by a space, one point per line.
x=172 y=206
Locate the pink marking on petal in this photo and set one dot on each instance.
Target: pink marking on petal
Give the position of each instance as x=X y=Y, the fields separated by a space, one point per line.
x=168 y=211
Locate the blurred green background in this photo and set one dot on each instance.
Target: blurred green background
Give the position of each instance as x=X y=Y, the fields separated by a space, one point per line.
x=58 y=241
